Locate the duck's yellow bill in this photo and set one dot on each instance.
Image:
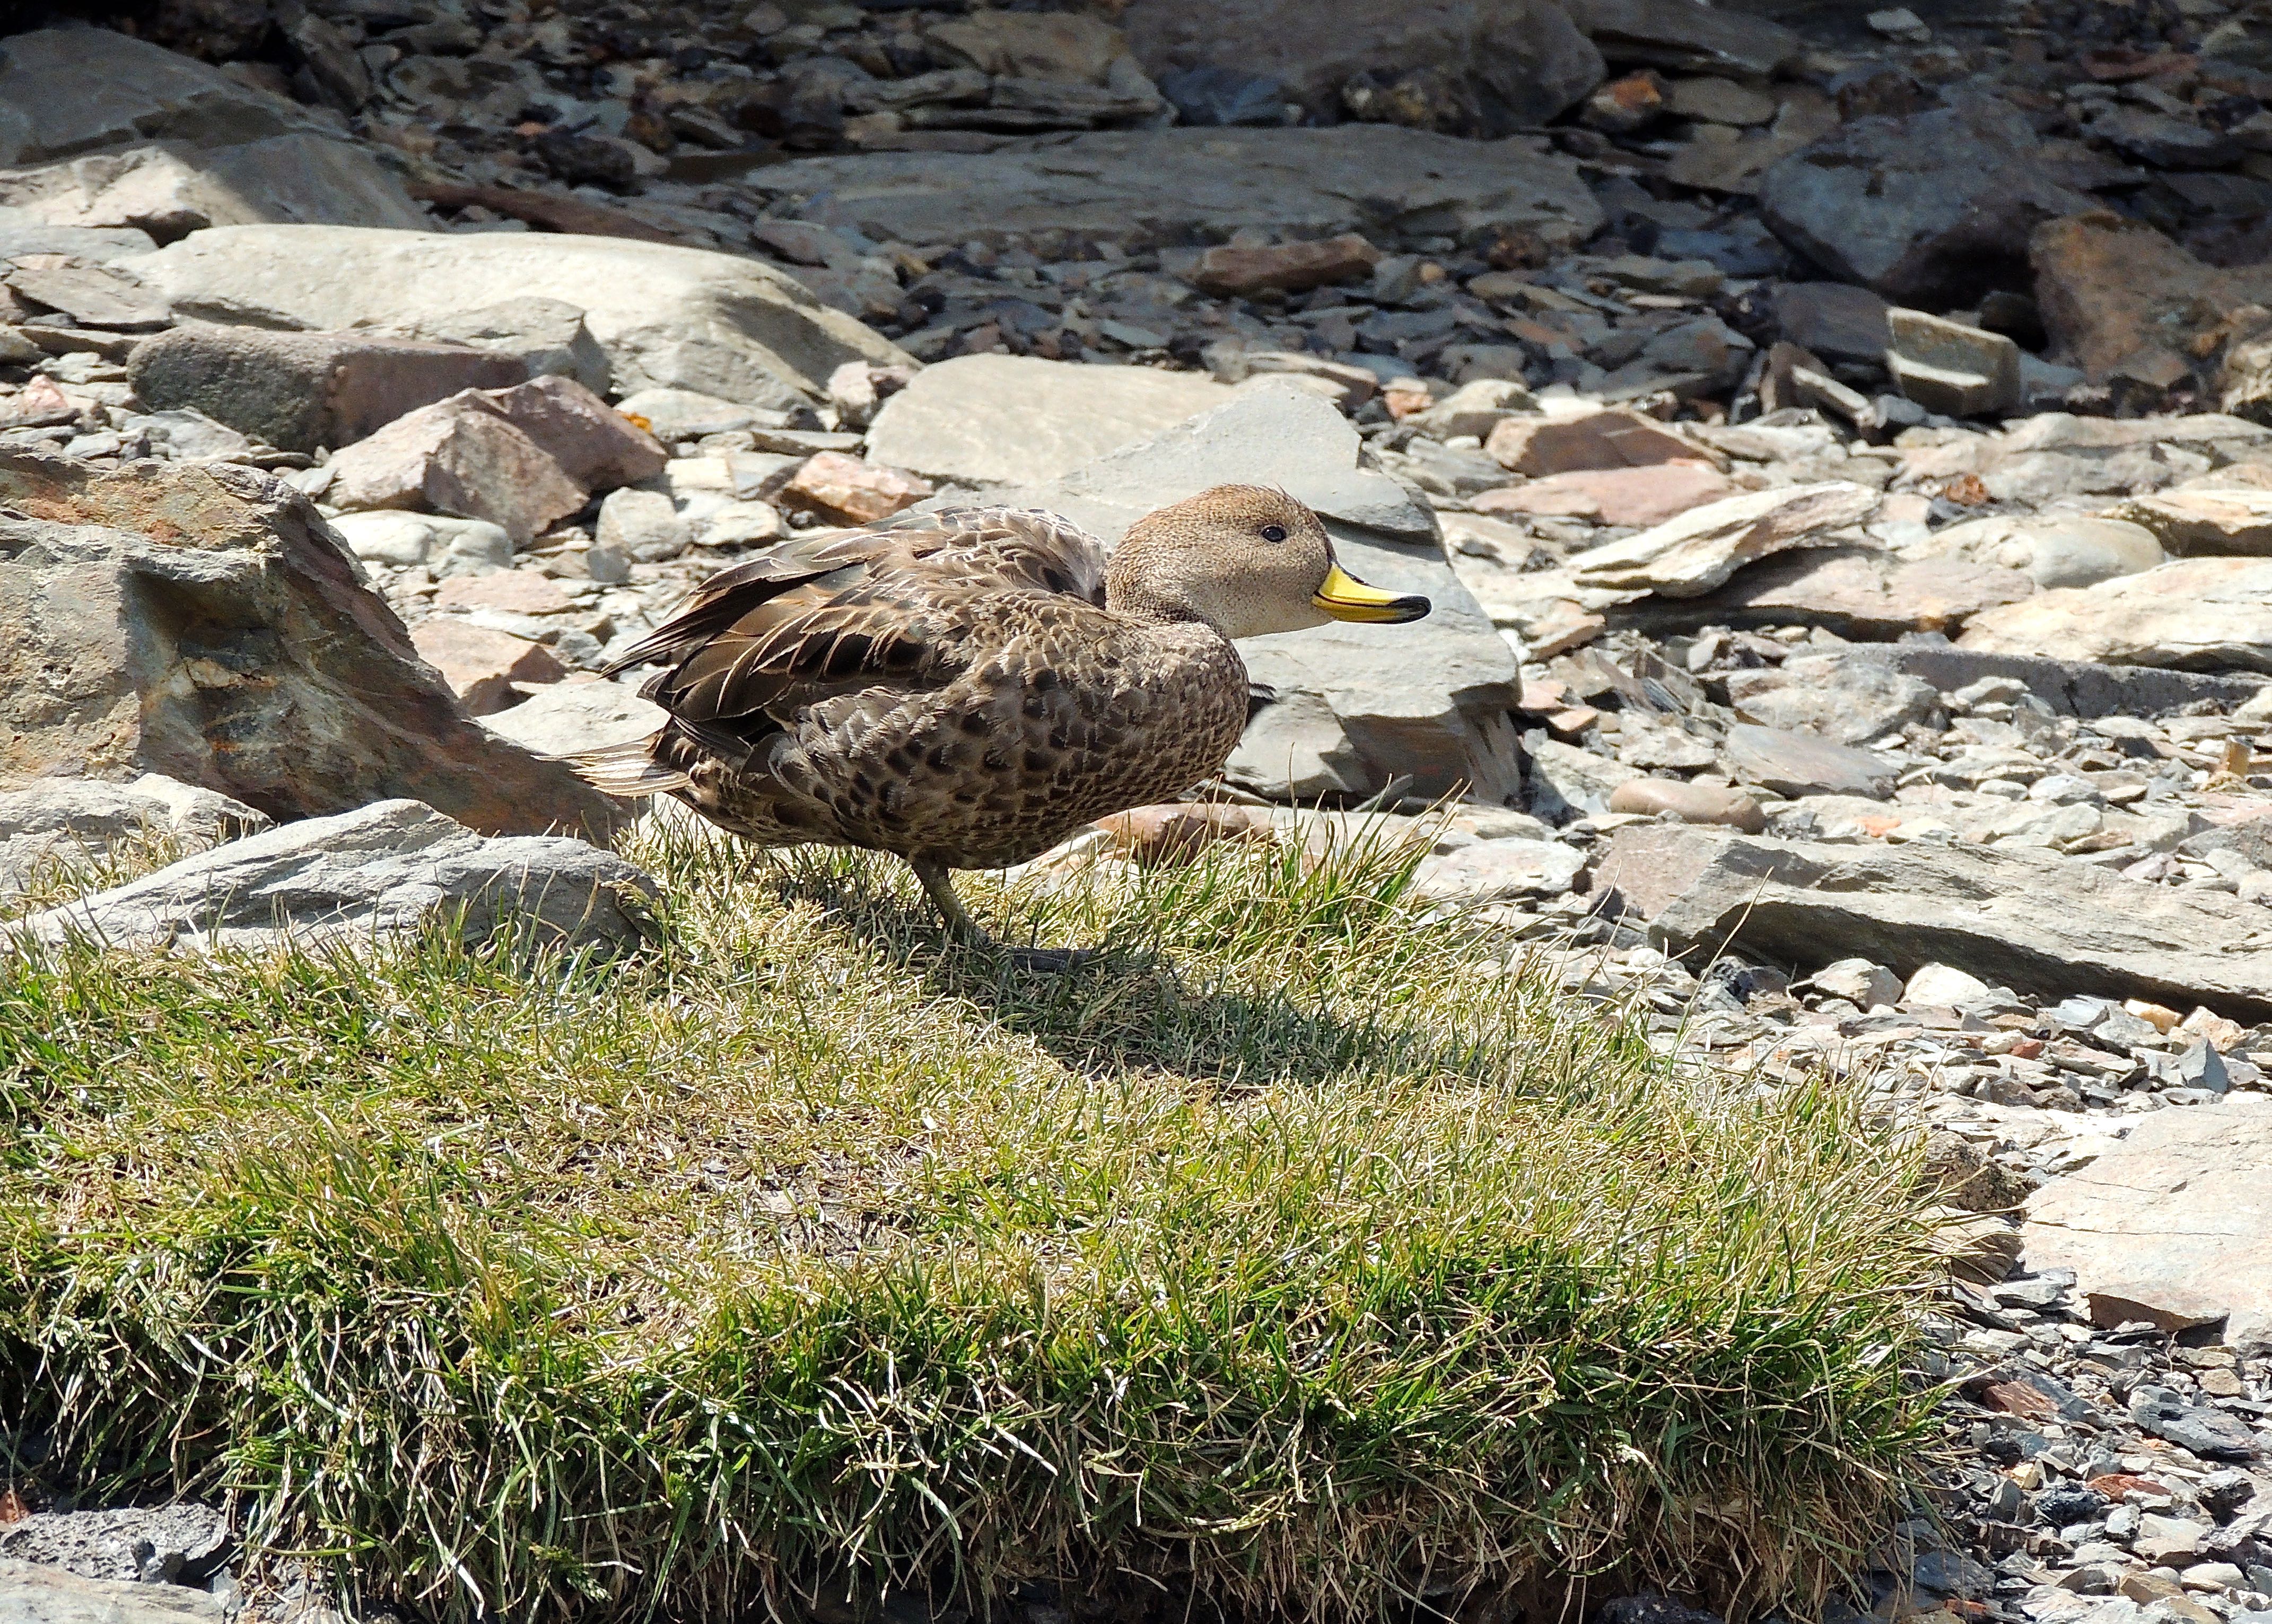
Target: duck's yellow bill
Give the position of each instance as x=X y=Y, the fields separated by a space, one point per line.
x=1345 y=597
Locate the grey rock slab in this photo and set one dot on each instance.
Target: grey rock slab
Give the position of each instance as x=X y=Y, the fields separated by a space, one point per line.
x=2175 y=1216
x=1834 y=320
x=1017 y=420
x=389 y=868
x=24 y=233
x=1688 y=556
x=2210 y=1433
x=2205 y=520
x=546 y=336
x=2193 y=614
x=303 y=390
x=168 y=188
x=36 y=1593
x=1428 y=701
x=567 y=716
x=2051 y=549
x=1950 y=368
x=66 y=91
x=1854 y=591
x=1793 y=763
x=667 y=317
x=61 y=819
x=1678 y=33
x=2021 y=917
x=207 y=625
x=2072 y=687
x=180 y=1541
x=1918 y=207
x=1848 y=702
x=1526 y=56
x=1179 y=185
x=1496 y=871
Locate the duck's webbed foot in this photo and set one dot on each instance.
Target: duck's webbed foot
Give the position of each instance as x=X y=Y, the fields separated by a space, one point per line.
x=940 y=888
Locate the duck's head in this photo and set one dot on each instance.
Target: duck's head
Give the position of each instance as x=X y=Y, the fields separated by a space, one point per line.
x=1245 y=560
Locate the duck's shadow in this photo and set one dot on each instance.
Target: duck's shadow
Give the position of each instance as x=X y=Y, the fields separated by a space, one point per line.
x=1128 y=1007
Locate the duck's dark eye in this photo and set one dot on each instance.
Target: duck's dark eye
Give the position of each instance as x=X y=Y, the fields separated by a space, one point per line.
x=1274 y=533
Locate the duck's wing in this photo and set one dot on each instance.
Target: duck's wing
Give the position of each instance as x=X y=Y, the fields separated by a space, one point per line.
x=825 y=615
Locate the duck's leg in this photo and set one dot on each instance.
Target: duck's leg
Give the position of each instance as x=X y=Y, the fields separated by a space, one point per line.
x=940 y=888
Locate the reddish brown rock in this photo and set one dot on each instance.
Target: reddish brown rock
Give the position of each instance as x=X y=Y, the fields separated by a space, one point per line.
x=202 y=621
x=1170 y=836
x=459 y=458
x=595 y=444
x=1615 y=439
x=1229 y=272
x=1637 y=497
x=520 y=591
x=482 y=665
x=2119 y=297
x=849 y=490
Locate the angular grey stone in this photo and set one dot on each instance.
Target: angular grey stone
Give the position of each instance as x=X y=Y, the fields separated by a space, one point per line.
x=1428 y=702
x=2193 y=614
x=94 y=296
x=1688 y=556
x=1678 y=33
x=547 y=335
x=1952 y=369
x=568 y=716
x=35 y=1593
x=110 y=131
x=1848 y=702
x=1523 y=58
x=21 y=233
x=667 y=317
x=1922 y=208
x=178 y=1542
x=210 y=627
x=2021 y=917
x=1016 y=420
x=1183 y=186
x=2210 y=1433
x=388 y=868
x=2072 y=687
x=1855 y=591
x=1799 y=764
x=2172 y=1218
x=301 y=390
x=62 y=820
x=1498 y=870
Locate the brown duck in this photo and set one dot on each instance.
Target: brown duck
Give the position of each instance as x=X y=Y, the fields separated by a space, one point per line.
x=968 y=688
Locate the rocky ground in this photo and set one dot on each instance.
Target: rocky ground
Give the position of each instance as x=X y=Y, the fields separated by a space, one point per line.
x=1834 y=443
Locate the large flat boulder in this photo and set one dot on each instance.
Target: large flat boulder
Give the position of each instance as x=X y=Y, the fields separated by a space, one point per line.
x=1355 y=707
x=667 y=317
x=1188 y=185
x=1019 y=419
x=53 y=821
x=2174 y=1220
x=202 y=621
x=2193 y=614
x=386 y=868
x=99 y=129
x=2016 y=917
x=1925 y=209
x=37 y=1593
x=1523 y=60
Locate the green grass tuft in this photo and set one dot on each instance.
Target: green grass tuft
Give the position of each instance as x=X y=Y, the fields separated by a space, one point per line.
x=1294 y=1253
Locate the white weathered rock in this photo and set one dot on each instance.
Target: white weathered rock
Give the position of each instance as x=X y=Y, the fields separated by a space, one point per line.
x=1017 y=420
x=1846 y=702
x=2195 y=614
x=1183 y=185
x=1497 y=870
x=667 y=317
x=1943 y=985
x=37 y=1593
x=2204 y=520
x=450 y=546
x=60 y=819
x=387 y=869
x=2053 y=550
x=1689 y=555
x=2175 y=1217
x=576 y=715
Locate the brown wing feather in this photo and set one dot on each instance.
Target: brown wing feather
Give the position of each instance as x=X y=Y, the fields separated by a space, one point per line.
x=825 y=616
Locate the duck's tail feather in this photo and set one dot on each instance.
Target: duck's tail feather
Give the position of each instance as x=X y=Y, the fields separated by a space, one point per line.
x=626 y=769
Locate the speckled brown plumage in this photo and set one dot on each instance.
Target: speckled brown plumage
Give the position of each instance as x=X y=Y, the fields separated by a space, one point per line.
x=968 y=688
